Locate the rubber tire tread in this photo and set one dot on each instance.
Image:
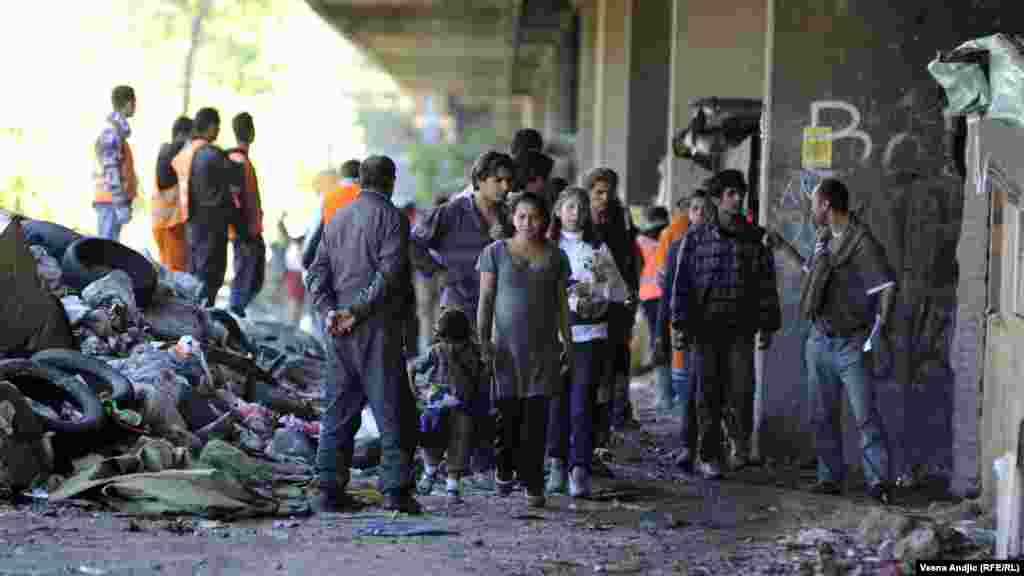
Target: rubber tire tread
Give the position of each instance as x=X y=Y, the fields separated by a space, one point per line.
x=92 y=369
x=62 y=384
x=85 y=258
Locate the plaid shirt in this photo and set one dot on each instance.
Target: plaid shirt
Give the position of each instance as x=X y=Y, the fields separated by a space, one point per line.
x=109 y=154
x=725 y=280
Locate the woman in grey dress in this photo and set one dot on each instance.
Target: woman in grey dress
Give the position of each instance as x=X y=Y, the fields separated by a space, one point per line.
x=523 y=297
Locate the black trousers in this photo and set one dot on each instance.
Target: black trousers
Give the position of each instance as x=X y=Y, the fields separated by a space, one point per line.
x=722 y=378
x=208 y=254
x=519 y=441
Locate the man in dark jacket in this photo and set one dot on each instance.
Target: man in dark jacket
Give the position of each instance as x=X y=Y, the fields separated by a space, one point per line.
x=212 y=181
x=361 y=286
x=724 y=292
x=847 y=296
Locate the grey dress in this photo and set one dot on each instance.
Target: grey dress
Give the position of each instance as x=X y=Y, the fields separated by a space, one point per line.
x=526 y=319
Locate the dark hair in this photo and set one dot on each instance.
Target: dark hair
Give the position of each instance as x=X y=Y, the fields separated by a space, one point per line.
x=726 y=179
x=586 y=222
x=182 y=127
x=244 y=128
x=533 y=164
x=556 y=185
x=377 y=172
x=536 y=201
x=655 y=213
x=453 y=325
x=606 y=175
x=350 y=169
x=835 y=193
x=122 y=95
x=440 y=200
x=206 y=118
x=527 y=139
x=488 y=164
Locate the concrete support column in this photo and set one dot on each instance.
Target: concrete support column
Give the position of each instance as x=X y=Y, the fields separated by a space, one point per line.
x=586 y=93
x=612 y=47
x=648 y=102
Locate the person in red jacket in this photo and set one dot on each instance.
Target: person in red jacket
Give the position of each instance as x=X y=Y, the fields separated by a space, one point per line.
x=250 y=250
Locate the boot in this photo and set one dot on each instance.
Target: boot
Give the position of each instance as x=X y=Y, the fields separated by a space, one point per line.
x=557 y=477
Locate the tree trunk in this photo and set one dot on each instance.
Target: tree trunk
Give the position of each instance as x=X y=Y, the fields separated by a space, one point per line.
x=193 y=47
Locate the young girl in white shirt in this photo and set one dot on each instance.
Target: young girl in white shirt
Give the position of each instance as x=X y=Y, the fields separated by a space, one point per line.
x=595 y=281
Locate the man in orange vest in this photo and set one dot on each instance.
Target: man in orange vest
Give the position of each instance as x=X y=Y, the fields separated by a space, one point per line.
x=208 y=184
x=344 y=193
x=168 y=214
x=251 y=251
x=116 y=183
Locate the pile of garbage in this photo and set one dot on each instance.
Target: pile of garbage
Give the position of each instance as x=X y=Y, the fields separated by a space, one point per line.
x=116 y=384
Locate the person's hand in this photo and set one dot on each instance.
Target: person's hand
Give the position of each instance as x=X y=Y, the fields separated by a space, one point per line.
x=679 y=340
x=340 y=322
x=764 y=340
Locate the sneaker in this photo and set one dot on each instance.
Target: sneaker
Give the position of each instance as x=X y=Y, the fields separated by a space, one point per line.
x=881 y=494
x=684 y=460
x=403 y=502
x=710 y=471
x=535 y=500
x=504 y=487
x=326 y=504
x=453 y=489
x=579 y=483
x=426 y=484
x=826 y=487
x=557 y=477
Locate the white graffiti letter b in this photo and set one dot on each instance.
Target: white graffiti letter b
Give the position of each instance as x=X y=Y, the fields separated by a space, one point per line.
x=849 y=131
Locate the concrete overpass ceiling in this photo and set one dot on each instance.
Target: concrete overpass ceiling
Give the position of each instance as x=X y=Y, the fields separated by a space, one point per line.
x=461 y=46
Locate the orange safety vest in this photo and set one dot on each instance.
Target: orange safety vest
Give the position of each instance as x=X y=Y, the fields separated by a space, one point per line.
x=254 y=208
x=167 y=211
x=337 y=199
x=182 y=165
x=649 y=289
x=129 y=181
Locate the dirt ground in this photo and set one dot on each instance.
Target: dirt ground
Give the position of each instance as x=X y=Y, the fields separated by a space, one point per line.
x=649 y=519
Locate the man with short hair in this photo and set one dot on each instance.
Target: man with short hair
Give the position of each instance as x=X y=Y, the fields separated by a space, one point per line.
x=847 y=295
x=116 y=183
x=724 y=292
x=361 y=286
x=209 y=181
x=168 y=212
x=450 y=238
x=250 y=250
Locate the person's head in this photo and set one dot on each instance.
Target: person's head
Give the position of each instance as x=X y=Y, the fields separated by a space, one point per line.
x=656 y=215
x=182 y=129
x=440 y=200
x=526 y=139
x=324 y=182
x=453 y=325
x=572 y=211
x=530 y=216
x=534 y=169
x=727 y=189
x=123 y=100
x=492 y=175
x=207 y=123
x=556 y=185
x=245 y=130
x=830 y=198
x=601 y=184
x=378 y=173
x=350 y=169
x=697 y=208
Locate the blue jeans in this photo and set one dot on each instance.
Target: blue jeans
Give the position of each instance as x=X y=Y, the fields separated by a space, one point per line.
x=250 y=267
x=571 y=410
x=834 y=364
x=682 y=386
x=110 y=218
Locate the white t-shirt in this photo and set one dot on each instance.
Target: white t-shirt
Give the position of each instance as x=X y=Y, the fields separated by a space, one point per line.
x=594 y=272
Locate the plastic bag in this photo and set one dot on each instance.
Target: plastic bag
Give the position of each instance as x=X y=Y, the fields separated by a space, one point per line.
x=113 y=291
x=962 y=75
